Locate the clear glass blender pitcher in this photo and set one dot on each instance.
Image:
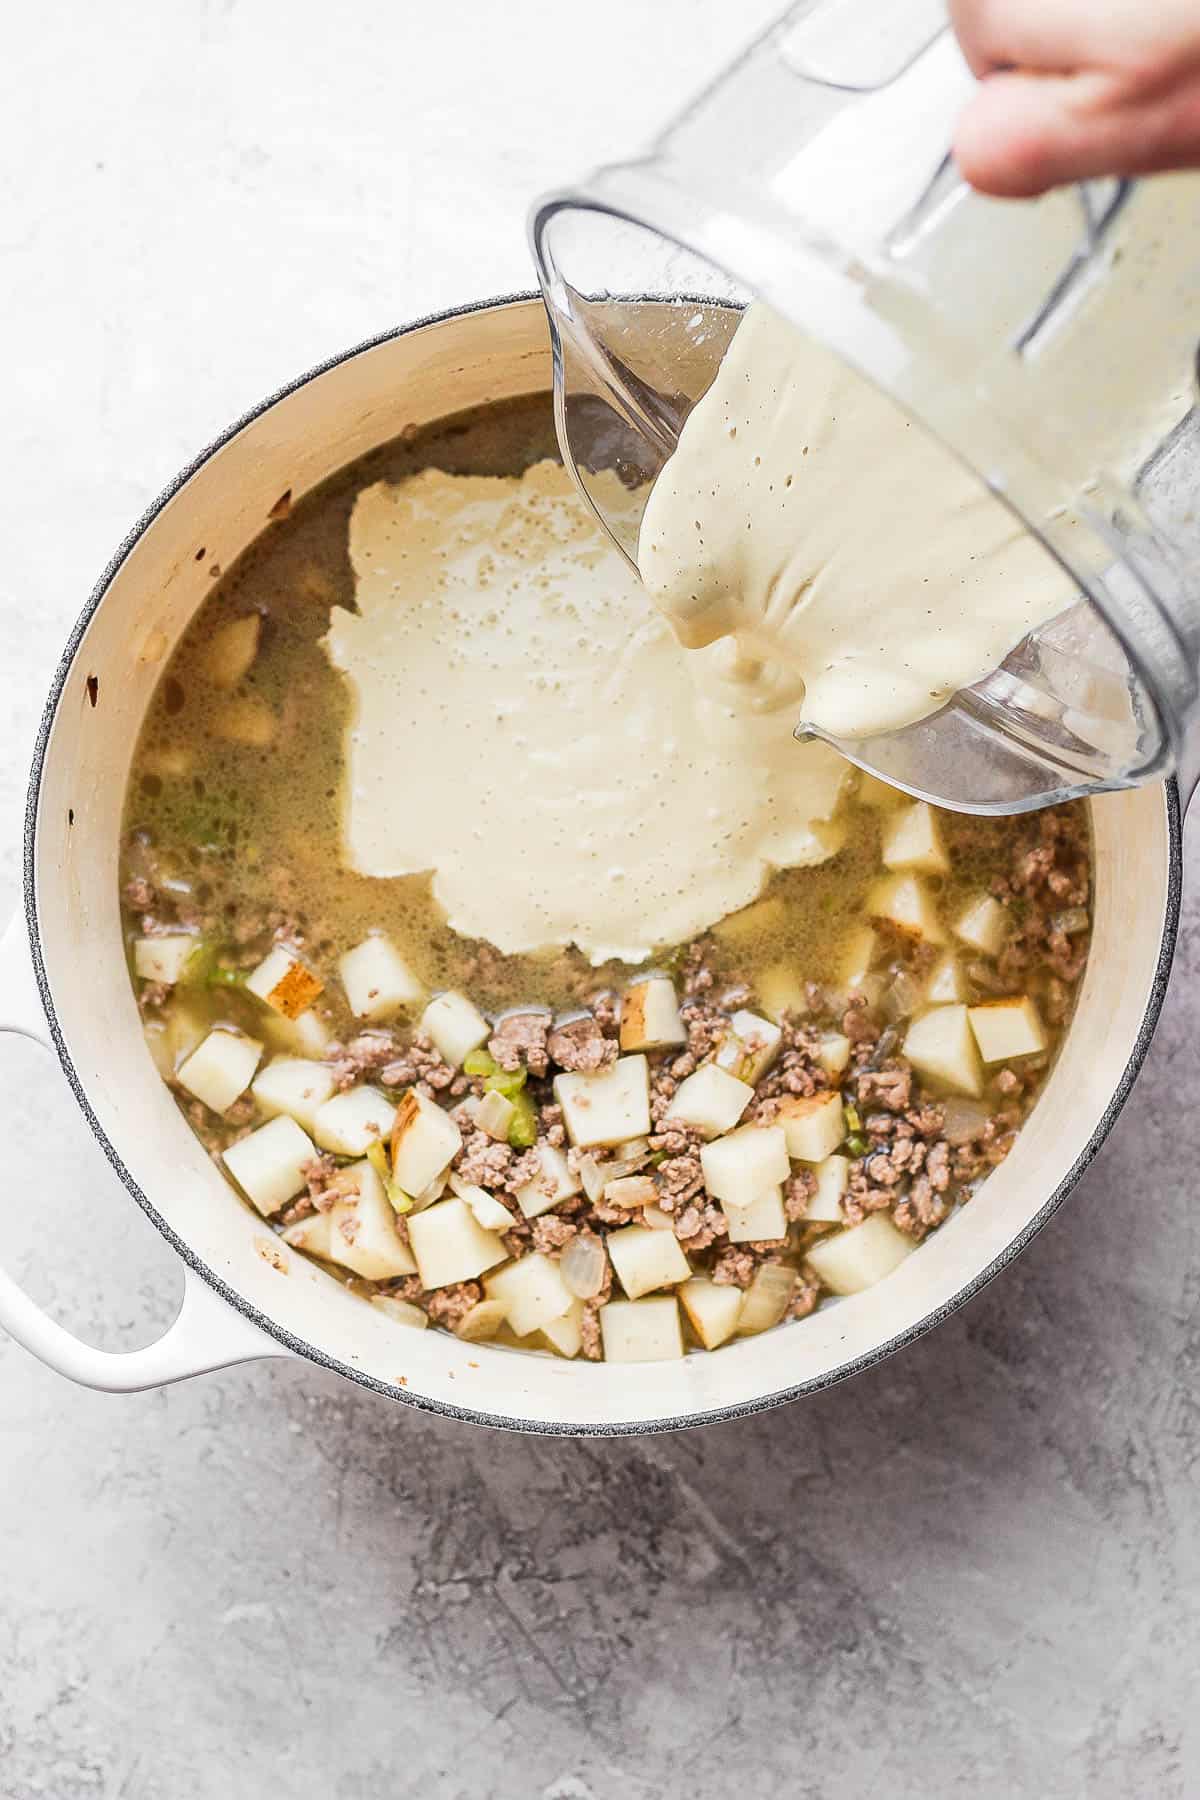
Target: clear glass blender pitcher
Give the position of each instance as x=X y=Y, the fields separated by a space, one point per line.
x=1050 y=345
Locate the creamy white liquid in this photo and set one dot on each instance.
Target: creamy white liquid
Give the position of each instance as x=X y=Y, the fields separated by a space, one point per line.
x=527 y=727
x=857 y=572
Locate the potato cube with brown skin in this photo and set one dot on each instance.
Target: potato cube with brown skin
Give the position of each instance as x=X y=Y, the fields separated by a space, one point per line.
x=1007 y=1029
x=947 y=985
x=833 y=1053
x=164 y=958
x=362 y=1231
x=451 y=1245
x=812 y=1124
x=221 y=1068
x=606 y=1108
x=740 y=1165
x=425 y=1140
x=269 y=1165
x=246 y=719
x=912 y=839
x=857 y=1258
x=982 y=925
x=711 y=1101
x=310 y=1235
x=641 y=1330
x=712 y=1311
x=231 y=650
x=349 y=1123
x=377 y=980
x=554 y=1183
x=284 y=983
x=650 y=1016
x=905 y=902
x=751 y=1046
x=455 y=1026
x=533 y=1292
x=645 y=1260
x=940 y=1045
x=565 y=1335
x=293 y=1085
x=833 y=1178
x=763 y=1221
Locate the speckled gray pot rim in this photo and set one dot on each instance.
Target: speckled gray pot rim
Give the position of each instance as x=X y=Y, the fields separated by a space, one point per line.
x=311 y=1352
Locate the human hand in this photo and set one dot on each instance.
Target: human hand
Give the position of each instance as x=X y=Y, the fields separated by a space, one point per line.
x=1072 y=89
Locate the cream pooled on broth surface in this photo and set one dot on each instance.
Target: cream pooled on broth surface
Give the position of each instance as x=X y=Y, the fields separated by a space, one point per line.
x=860 y=569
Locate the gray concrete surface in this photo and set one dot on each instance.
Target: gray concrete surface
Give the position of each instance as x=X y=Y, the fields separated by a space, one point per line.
x=971 y=1572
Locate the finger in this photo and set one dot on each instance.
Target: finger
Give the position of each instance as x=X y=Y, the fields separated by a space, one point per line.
x=1059 y=38
x=967 y=24
x=1024 y=134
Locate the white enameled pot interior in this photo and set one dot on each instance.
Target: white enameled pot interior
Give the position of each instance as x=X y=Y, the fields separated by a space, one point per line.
x=295 y=442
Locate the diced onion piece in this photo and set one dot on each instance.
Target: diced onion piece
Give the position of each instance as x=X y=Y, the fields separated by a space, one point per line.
x=608 y=1107
x=362 y=1231
x=451 y=1245
x=231 y=650
x=425 y=1140
x=902 y=997
x=983 y=924
x=1007 y=1029
x=269 y=1165
x=645 y=1260
x=494 y=1115
x=221 y=1068
x=962 y=1119
x=711 y=1101
x=377 y=980
x=533 y=1293
x=1072 y=921
x=565 y=1335
x=767 y=1298
x=712 y=1310
x=655 y=1219
x=482 y=1322
x=593 y=1177
x=813 y=1125
x=833 y=1053
x=401 y=1312
x=554 y=1183
x=912 y=839
x=940 y=1045
x=740 y=1165
x=641 y=1330
x=583 y=1266
x=763 y=1221
x=947 y=984
x=455 y=1025
x=650 y=1016
x=284 y=983
x=348 y=1124
x=856 y=1259
x=492 y=1214
x=164 y=958
x=630 y=1191
x=293 y=1085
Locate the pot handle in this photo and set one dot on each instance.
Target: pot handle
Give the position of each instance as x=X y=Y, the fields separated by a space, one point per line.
x=205 y=1334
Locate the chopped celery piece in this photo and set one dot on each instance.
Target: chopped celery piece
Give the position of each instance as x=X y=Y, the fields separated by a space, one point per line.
x=853 y=1119
x=857 y=1146
x=523 y=1126
x=508 y=1082
x=378 y=1158
x=478 y=1062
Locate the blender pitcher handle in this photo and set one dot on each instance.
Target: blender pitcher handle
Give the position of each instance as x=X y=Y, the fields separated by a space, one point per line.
x=206 y=1333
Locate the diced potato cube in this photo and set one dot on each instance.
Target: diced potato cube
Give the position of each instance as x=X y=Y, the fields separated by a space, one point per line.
x=856 y=959
x=362 y=1232
x=764 y=1220
x=451 y=1245
x=350 y=1123
x=492 y=1214
x=905 y=902
x=873 y=792
x=645 y=1260
x=650 y=1016
x=493 y=1113
x=609 y=1107
x=556 y=1182
x=758 y=921
x=941 y=1046
x=982 y=925
x=164 y=958
x=813 y=1124
x=947 y=985
x=857 y=1258
x=425 y=1140
x=269 y=1165
x=401 y=1312
x=377 y=980
x=231 y=651
x=566 y=1334
x=533 y=1292
x=293 y=1085
x=1005 y=1029
x=739 y=1166
x=767 y=1299
x=308 y=1035
x=750 y=1047
x=712 y=1310
x=780 y=990
x=311 y=1235
x=833 y=1053
x=833 y=1178
x=221 y=1068
x=455 y=1025
x=912 y=839
x=284 y=982
x=641 y=1330
x=247 y=720
x=631 y=1191
x=482 y=1322
x=711 y=1101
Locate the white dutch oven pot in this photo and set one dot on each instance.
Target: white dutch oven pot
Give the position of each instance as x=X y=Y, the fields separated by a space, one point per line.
x=246 y=1294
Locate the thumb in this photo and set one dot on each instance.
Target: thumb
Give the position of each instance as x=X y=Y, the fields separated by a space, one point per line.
x=1022 y=133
